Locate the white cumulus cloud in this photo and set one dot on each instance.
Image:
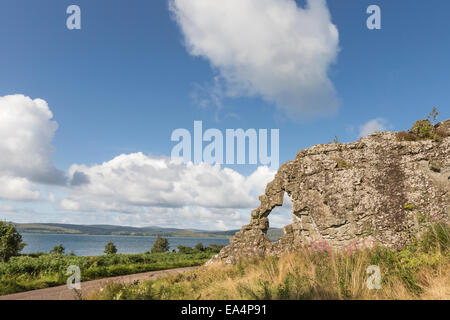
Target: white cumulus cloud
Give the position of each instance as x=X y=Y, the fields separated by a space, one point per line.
x=146 y=190
x=26 y=132
x=20 y=189
x=133 y=188
x=138 y=180
x=269 y=48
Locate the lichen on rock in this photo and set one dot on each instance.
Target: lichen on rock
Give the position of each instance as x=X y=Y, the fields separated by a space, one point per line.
x=379 y=189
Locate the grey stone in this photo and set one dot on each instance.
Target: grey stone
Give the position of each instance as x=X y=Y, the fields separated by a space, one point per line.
x=353 y=194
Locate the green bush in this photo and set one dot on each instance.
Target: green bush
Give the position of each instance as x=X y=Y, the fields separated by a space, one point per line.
x=10 y=241
x=161 y=245
x=423 y=130
x=184 y=249
x=110 y=248
x=59 y=249
x=199 y=247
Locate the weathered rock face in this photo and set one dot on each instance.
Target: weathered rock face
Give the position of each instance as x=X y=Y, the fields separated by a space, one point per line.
x=379 y=188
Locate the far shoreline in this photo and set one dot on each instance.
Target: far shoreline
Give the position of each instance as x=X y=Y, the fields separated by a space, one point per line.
x=125 y=235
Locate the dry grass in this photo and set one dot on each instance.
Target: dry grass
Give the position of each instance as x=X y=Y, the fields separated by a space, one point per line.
x=417 y=272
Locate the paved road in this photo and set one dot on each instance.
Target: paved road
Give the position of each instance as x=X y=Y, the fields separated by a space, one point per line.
x=63 y=293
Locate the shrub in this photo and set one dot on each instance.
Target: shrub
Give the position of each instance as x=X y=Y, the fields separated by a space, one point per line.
x=423 y=130
x=110 y=248
x=59 y=249
x=10 y=241
x=199 y=247
x=184 y=250
x=161 y=245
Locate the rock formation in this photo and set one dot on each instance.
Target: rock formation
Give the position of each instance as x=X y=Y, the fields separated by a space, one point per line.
x=386 y=187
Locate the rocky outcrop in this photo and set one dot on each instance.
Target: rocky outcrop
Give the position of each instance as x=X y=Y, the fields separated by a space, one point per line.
x=386 y=187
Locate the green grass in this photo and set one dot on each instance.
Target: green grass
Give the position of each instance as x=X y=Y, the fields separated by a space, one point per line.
x=36 y=271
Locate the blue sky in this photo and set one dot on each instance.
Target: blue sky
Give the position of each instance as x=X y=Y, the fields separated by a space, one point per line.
x=126 y=80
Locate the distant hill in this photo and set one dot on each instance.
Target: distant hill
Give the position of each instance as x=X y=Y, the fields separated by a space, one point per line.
x=58 y=228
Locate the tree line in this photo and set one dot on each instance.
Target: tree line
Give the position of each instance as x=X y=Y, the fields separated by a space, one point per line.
x=11 y=245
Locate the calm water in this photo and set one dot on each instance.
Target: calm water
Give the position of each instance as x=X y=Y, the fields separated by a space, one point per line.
x=88 y=245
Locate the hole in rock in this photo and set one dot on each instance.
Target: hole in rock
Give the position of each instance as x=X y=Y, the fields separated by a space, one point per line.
x=279 y=218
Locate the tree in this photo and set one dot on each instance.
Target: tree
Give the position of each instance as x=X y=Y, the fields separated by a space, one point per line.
x=110 y=248
x=199 y=247
x=161 y=245
x=10 y=241
x=59 y=249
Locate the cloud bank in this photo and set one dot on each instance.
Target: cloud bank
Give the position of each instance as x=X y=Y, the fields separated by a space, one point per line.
x=147 y=190
x=268 y=48
x=135 y=189
x=137 y=180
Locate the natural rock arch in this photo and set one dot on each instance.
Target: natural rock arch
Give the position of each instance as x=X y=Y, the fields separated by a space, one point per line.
x=356 y=193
